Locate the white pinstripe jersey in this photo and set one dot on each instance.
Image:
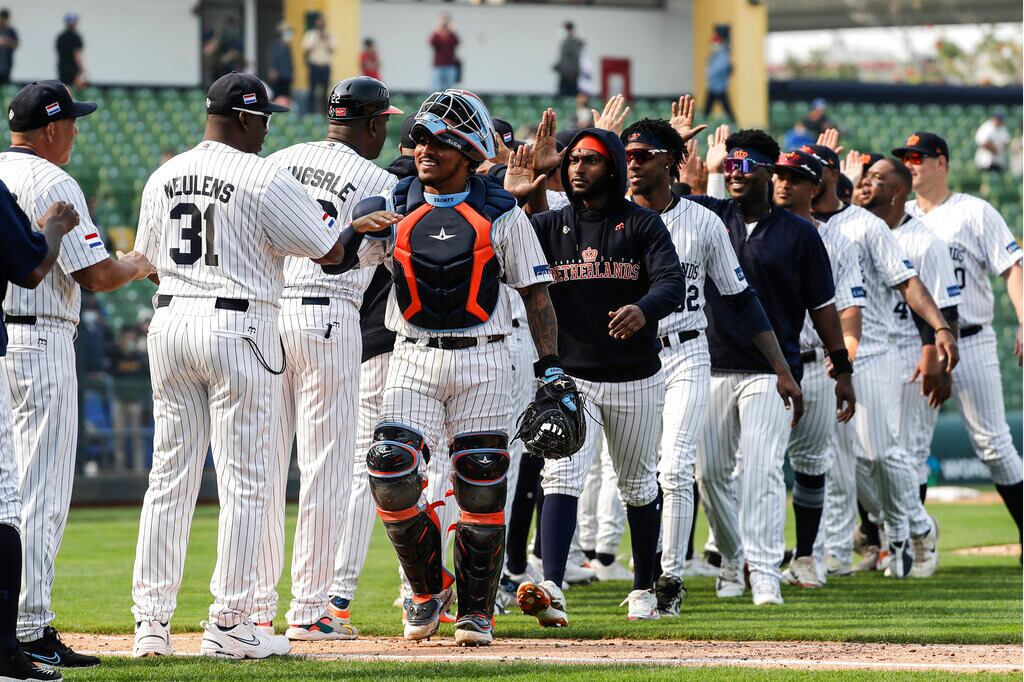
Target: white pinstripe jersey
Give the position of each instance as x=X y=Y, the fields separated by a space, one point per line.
x=930 y=257
x=338 y=178
x=846 y=272
x=218 y=222
x=520 y=258
x=980 y=245
x=36 y=185
x=883 y=266
x=556 y=200
x=702 y=243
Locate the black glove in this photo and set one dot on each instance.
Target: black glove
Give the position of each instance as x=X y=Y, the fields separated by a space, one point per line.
x=554 y=424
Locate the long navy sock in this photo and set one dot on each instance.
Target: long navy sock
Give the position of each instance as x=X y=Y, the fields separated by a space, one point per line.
x=538 y=542
x=10 y=588
x=922 y=492
x=808 y=501
x=644 y=529
x=868 y=527
x=558 y=524
x=693 y=525
x=521 y=513
x=1012 y=496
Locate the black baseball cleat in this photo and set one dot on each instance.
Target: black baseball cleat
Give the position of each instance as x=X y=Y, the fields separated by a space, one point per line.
x=671 y=593
x=49 y=650
x=19 y=667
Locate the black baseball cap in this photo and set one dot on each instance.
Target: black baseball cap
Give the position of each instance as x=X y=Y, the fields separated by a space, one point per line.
x=925 y=143
x=869 y=159
x=239 y=92
x=406 y=140
x=564 y=137
x=41 y=103
x=507 y=134
x=844 y=189
x=825 y=155
x=801 y=163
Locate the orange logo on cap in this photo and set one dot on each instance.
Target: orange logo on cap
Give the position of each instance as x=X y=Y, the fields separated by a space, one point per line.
x=739 y=154
x=865 y=158
x=792 y=156
x=589 y=255
x=913 y=139
x=806 y=149
x=634 y=137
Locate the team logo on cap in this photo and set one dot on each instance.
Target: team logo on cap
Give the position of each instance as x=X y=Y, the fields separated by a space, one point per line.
x=864 y=159
x=52 y=109
x=913 y=139
x=634 y=137
x=249 y=99
x=208 y=102
x=337 y=111
x=589 y=255
x=739 y=154
x=10 y=114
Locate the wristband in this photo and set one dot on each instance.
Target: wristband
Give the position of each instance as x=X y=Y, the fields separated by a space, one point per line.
x=548 y=362
x=841 y=363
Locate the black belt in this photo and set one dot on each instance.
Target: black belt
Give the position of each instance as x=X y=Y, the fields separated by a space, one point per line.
x=970 y=331
x=20 y=319
x=239 y=305
x=809 y=356
x=315 y=300
x=669 y=339
x=456 y=342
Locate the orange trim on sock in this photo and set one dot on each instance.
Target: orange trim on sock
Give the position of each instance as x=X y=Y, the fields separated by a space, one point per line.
x=495 y=519
x=401 y=515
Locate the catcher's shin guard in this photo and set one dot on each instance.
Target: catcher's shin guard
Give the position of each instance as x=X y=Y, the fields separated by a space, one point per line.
x=479 y=467
x=396 y=484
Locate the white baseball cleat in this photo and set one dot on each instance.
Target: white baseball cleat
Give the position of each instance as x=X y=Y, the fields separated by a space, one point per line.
x=926 y=552
x=643 y=605
x=869 y=559
x=766 y=592
x=700 y=566
x=802 y=572
x=241 y=641
x=838 y=567
x=614 y=571
x=327 y=628
x=152 y=638
x=730 y=581
x=578 y=571
x=545 y=601
x=901 y=559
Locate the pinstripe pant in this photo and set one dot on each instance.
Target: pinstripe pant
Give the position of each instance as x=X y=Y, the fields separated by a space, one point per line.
x=747 y=431
x=10 y=485
x=812 y=442
x=321 y=385
x=978 y=394
x=208 y=389
x=40 y=371
x=601 y=518
x=360 y=513
x=688 y=369
x=917 y=425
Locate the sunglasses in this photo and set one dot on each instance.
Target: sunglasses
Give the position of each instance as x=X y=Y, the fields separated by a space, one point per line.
x=745 y=166
x=915 y=158
x=262 y=114
x=643 y=155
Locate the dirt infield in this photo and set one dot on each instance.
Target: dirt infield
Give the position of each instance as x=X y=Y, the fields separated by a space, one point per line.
x=794 y=655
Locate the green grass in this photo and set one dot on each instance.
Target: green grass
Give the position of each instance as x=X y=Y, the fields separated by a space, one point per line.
x=183 y=669
x=971 y=599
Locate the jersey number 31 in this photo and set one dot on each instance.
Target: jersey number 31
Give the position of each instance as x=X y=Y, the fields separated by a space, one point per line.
x=192 y=229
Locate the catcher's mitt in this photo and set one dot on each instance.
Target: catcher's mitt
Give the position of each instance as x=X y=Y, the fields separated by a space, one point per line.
x=554 y=425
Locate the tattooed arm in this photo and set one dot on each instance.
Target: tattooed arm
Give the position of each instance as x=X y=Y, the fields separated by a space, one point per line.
x=541 y=317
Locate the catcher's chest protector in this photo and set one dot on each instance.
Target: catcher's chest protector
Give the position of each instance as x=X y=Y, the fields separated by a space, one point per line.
x=446 y=273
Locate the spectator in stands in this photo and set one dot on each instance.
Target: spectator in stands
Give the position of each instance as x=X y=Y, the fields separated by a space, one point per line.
x=70 y=63
x=280 y=70
x=444 y=40
x=717 y=73
x=584 y=116
x=8 y=44
x=992 y=139
x=318 y=47
x=129 y=365
x=798 y=136
x=369 y=61
x=230 y=48
x=817 y=120
x=570 y=54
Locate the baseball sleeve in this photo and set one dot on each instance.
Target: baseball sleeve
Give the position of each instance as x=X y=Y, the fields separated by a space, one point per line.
x=936 y=272
x=667 y=283
x=294 y=223
x=886 y=254
x=83 y=246
x=522 y=257
x=848 y=276
x=147 y=236
x=997 y=244
x=24 y=248
x=817 y=284
x=723 y=267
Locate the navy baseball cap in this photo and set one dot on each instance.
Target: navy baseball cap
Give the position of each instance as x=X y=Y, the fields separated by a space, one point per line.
x=406 y=139
x=825 y=155
x=869 y=159
x=506 y=132
x=844 y=189
x=239 y=92
x=564 y=137
x=39 y=104
x=801 y=163
x=924 y=143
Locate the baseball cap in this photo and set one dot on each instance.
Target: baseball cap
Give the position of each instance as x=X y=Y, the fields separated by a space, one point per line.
x=70 y=18
x=41 y=103
x=825 y=155
x=406 y=139
x=925 y=143
x=239 y=92
x=819 y=103
x=506 y=133
x=869 y=159
x=801 y=163
x=844 y=189
x=564 y=137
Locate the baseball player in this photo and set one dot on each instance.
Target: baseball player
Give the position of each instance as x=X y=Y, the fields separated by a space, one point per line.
x=784 y=259
x=797 y=180
x=27 y=258
x=601 y=520
x=320 y=330
x=980 y=245
x=654 y=150
x=218 y=222
x=456 y=236
x=868 y=445
x=615 y=274
x=40 y=363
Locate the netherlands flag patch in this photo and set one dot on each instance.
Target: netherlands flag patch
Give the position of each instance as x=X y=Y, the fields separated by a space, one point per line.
x=52 y=109
x=93 y=240
x=328 y=220
x=249 y=99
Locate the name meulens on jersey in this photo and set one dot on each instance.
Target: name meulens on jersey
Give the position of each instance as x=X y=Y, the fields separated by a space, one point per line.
x=601 y=270
x=193 y=185
x=322 y=179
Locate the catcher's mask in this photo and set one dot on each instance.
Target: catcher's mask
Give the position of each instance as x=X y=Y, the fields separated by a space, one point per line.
x=457 y=118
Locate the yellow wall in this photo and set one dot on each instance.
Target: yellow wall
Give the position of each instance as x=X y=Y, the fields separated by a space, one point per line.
x=342 y=21
x=748 y=87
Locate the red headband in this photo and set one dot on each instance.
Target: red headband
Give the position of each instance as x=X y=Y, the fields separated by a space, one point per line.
x=593 y=144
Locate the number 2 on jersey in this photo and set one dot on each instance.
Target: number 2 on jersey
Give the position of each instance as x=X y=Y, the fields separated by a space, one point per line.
x=690 y=303
x=192 y=233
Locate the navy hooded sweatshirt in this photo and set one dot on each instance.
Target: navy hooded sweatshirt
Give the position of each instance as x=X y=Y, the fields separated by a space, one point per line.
x=601 y=261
